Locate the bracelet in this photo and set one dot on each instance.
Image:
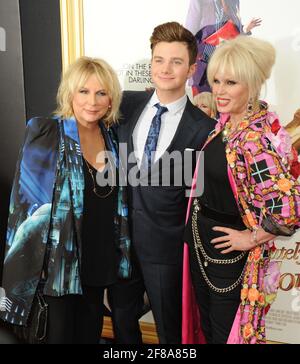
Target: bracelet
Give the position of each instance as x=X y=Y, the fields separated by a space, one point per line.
x=254 y=236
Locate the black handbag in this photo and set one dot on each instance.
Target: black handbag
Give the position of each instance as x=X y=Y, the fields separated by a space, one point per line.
x=36 y=330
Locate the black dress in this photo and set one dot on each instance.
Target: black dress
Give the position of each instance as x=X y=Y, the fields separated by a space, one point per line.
x=99 y=251
x=219 y=208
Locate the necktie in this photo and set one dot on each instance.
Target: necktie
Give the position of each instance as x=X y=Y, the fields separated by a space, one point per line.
x=152 y=138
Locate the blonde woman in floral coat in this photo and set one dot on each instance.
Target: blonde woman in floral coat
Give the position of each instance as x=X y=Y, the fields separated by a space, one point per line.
x=250 y=197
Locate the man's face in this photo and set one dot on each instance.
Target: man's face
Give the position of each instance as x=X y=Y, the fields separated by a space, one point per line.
x=170 y=68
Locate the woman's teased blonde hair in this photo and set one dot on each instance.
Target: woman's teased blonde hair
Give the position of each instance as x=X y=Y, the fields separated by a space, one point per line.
x=75 y=78
x=249 y=60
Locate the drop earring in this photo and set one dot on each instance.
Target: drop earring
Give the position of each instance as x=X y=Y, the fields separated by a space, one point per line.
x=250 y=107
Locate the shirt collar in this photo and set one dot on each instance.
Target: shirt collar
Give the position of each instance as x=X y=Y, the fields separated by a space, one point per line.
x=173 y=107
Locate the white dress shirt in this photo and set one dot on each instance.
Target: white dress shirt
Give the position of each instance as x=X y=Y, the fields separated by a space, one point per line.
x=169 y=124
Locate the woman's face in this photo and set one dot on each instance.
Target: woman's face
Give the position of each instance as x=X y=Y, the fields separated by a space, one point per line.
x=231 y=96
x=91 y=102
x=205 y=108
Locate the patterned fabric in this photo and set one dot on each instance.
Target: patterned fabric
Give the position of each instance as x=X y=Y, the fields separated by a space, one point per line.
x=268 y=196
x=206 y=17
x=152 y=138
x=46 y=207
x=122 y=235
x=232 y=12
x=267 y=191
x=63 y=267
x=202 y=13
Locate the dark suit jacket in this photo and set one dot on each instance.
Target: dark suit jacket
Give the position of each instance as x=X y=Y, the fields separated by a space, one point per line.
x=158 y=212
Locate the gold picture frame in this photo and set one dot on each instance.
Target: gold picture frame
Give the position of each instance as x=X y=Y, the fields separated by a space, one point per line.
x=72 y=31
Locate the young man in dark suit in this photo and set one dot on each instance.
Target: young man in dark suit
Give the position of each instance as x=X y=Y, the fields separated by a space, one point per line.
x=162 y=123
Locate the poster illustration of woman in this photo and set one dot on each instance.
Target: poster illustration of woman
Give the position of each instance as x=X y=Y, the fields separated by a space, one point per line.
x=213 y=21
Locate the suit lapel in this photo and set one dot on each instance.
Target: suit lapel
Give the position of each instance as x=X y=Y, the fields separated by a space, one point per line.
x=186 y=127
x=133 y=121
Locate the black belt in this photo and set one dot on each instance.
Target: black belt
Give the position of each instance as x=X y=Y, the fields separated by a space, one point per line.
x=221 y=216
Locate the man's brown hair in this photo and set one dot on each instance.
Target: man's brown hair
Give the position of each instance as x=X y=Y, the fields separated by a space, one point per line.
x=174 y=32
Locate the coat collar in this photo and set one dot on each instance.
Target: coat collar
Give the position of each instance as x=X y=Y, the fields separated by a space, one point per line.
x=243 y=124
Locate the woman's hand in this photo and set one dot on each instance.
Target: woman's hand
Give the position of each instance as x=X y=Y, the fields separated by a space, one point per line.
x=234 y=240
x=254 y=22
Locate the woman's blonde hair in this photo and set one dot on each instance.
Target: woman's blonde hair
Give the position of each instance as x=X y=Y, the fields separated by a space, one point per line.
x=75 y=78
x=249 y=60
x=207 y=99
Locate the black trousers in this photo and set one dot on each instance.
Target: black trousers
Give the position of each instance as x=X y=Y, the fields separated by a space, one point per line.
x=75 y=319
x=217 y=310
x=6 y=335
x=163 y=286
